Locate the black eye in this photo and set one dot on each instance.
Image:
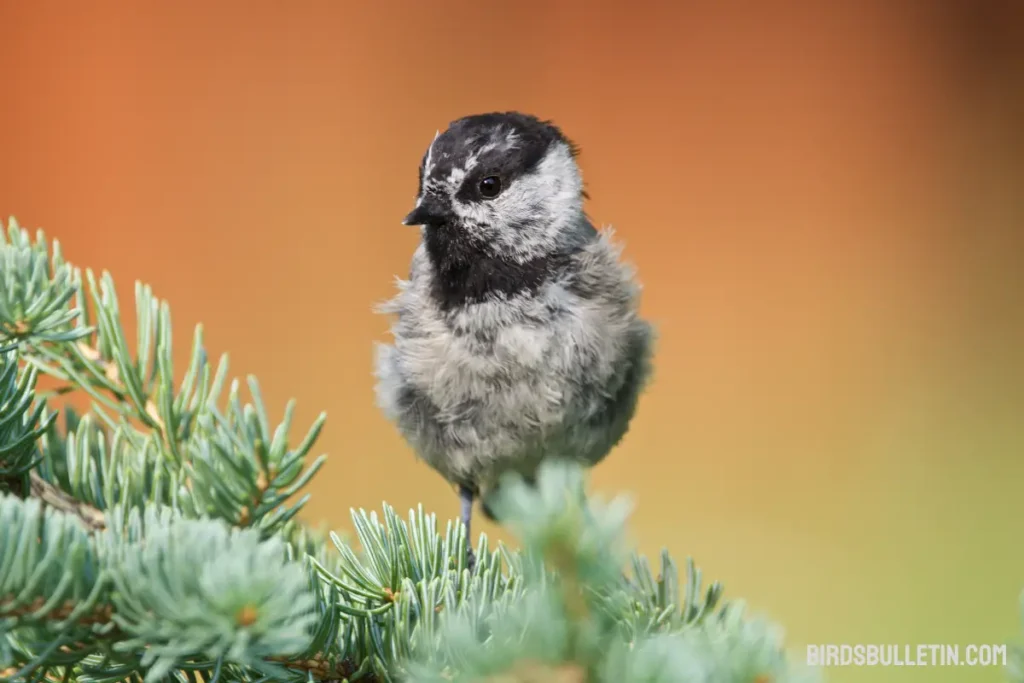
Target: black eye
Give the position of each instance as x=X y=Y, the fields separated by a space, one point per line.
x=490 y=186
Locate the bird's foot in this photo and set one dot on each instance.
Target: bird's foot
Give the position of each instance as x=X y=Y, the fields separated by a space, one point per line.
x=470 y=559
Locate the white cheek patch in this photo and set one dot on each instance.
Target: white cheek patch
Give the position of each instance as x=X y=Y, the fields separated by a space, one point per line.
x=560 y=179
x=538 y=208
x=475 y=214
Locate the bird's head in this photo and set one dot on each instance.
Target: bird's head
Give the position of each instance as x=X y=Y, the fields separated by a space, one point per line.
x=500 y=185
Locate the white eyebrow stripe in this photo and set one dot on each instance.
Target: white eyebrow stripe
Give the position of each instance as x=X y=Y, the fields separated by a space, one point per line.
x=428 y=164
x=456 y=177
x=474 y=159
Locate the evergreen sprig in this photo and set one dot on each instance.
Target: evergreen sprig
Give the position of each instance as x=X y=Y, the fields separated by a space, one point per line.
x=154 y=537
x=576 y=607
x=147 y=438
x=21 y=420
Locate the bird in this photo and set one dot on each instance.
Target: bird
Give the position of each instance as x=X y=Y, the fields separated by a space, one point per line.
x=517 y=335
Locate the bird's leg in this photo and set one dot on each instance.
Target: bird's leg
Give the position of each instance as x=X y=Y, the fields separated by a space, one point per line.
x=466 y=496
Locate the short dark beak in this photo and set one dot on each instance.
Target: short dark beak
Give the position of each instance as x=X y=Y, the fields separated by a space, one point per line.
x=429 y=211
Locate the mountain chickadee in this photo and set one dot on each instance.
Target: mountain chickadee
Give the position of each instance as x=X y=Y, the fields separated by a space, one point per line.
x=517 y=336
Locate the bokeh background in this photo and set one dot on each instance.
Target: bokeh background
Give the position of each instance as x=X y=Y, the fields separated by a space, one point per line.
x=825 y=202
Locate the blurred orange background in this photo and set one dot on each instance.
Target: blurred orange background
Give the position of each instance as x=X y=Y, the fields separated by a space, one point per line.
x=824 y=201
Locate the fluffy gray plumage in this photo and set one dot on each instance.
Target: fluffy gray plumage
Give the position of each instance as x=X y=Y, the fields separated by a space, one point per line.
x=516 y=336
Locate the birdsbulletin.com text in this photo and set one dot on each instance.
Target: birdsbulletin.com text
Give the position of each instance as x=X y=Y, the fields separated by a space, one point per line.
x=906 y=655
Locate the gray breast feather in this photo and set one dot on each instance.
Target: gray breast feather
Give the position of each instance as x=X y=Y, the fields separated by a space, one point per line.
x=502 y=384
